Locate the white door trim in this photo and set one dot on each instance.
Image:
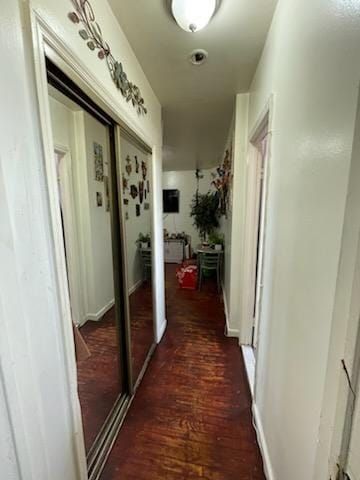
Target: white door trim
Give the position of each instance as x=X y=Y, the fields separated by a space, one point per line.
x=262 y=128
x=42 y=36
x=67 y=201
x=46 y=42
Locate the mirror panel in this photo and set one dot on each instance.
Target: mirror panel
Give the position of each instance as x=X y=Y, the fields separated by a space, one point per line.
x=136 y=191
x=82 y=156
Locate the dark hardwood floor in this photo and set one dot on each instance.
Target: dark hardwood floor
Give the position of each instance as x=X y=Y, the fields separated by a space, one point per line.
x=99 y=381
x=191 y=416
x=141 y=324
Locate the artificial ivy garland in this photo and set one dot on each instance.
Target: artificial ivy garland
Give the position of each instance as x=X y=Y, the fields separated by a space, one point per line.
x=91 y=33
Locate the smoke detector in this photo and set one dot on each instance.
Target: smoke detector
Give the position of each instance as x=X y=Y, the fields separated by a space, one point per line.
x=198 y=57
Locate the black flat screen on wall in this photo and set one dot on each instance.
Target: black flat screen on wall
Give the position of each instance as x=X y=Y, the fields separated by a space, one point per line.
x=171 y=201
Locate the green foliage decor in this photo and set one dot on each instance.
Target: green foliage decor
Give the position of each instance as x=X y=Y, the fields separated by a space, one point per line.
x=205 y=212
x=143 y=238
x=216 y=238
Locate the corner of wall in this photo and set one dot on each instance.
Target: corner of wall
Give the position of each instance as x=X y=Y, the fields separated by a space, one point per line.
x=238 y=221
x=229 y=331
x=269 y=472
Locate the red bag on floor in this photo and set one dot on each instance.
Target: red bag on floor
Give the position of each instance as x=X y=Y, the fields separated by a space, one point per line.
x=187 y=277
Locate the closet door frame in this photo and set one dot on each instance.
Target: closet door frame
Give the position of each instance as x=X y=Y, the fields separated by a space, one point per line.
x=47 y=44
x=102 y=444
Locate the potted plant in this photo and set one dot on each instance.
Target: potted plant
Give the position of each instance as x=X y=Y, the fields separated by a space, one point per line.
x=216 y=240
x=205 y=211
x=143 y=240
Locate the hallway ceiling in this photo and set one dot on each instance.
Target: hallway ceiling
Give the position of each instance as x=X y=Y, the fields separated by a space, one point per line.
x=197 y=101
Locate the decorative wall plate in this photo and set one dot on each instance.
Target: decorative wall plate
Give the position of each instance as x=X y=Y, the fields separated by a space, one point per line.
x=144 y=169
x=128 y=167
x=222 y=182
x=133 y=191
x=125 y=183
x=141 y=191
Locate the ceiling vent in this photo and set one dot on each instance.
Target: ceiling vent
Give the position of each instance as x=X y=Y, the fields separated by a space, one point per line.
x=198 y=57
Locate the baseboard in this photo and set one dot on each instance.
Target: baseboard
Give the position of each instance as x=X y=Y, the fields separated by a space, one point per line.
x=161 y=331
x=249 y=360
x=269 y=472
x=94 y=317
x=135 y=286
x=229 y=332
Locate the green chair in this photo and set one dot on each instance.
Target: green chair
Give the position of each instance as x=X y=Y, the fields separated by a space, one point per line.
x=209 y=262
x=146 y=263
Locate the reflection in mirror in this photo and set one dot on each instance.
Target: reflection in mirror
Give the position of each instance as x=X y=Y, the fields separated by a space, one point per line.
x=136 y=185
x=82 y=155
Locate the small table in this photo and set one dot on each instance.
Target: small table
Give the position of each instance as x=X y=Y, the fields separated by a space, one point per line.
x=201 y=249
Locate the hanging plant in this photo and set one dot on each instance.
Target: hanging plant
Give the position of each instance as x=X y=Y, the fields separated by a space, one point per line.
x=91 y=33
x=198 y=176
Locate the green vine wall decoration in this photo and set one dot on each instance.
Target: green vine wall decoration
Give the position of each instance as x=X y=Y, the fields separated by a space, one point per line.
x=91 y=33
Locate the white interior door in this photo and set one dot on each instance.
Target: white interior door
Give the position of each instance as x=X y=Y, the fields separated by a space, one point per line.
x=260 y=232
x=67 y=202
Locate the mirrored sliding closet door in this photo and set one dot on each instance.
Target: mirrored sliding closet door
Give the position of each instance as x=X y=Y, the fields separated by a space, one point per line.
x=136 y=197
x=84 y=156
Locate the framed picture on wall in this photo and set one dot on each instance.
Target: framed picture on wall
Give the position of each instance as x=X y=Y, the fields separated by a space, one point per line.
x=98 y=162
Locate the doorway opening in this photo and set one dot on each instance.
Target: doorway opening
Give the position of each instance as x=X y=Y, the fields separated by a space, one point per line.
x=256 y=198
x=260 y=144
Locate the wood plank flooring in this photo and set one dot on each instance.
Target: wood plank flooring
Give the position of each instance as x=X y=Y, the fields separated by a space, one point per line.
x=99 y=381
x=191 y=416
x=99 y=376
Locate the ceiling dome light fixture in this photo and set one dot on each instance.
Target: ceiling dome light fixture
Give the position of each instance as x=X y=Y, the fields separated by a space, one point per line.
x=193 y=15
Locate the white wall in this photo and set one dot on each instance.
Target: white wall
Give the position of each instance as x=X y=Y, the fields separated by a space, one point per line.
x=92 y=266
x=135 y=225
x=344 y=332
x=100 y=260
x=40 y=390
x=233 y=225
x=312 y=66
x=185 y=182
x=226 y=229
